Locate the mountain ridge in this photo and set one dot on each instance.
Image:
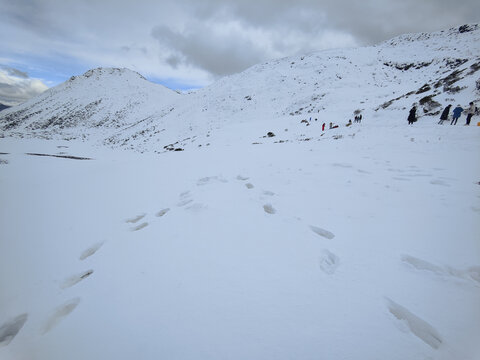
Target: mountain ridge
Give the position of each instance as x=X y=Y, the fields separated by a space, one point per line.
x=122 y=109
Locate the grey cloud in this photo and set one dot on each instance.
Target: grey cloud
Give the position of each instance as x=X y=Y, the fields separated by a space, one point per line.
x=15 y=72
x=301 y=26
x=34 y=15
x=16 y=87
x=201 y=47
x=173 y=61
x=207 y=40
x=370 y=21
x=194 y=39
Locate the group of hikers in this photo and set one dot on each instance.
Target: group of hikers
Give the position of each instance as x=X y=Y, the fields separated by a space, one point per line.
x=358 y=119
x=457 y=112
x=471 y=110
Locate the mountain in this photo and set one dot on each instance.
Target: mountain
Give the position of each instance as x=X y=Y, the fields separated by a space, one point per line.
x=3 y=107
x=120 y=108
x=101 y=100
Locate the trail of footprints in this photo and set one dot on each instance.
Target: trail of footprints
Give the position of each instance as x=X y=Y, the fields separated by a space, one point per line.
x=328 y=263
x=10 y=328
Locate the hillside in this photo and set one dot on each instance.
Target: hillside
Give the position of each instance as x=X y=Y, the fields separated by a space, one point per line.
x=382 y=81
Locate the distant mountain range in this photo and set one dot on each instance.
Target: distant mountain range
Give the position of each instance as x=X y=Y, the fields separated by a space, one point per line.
x=120 y=108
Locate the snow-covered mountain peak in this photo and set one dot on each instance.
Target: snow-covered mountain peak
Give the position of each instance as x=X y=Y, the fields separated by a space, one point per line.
x=106 y=74
x=88 y=104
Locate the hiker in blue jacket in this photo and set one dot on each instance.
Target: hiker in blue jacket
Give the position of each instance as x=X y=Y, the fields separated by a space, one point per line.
x=456 y=114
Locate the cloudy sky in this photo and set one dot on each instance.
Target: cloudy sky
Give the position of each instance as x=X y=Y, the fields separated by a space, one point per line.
x=186 y=44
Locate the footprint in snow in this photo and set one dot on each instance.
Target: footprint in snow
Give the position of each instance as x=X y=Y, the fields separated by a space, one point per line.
x=439 y=182
x=135 y=219
x=140 y=227
x=342 y=165
x=419 y=327
x=242 y=178
x=423 y=265
x=74 y=279
x=322 y=232
x=196 y=207
x=185 y=198
x=90 y=251
x=471 y=273
x=269 y=209
x=184 y=202
x=185 y=194
x=210 y=179
x=419 y=174
x=60 y=313
x=11 y=328
x=328 y=262
x=162 y=212
x=249 y=186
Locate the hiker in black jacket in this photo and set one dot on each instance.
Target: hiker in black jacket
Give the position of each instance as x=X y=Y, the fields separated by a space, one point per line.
x=412 y=115
x=444 y=115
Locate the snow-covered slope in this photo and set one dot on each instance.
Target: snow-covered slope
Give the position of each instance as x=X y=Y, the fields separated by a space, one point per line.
x=97 y=102
x=382 y=81
x=365 y=247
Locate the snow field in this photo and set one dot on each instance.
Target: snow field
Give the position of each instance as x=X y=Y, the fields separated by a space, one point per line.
x=361 y=247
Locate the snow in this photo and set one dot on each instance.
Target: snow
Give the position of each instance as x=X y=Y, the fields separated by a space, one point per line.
x=359 y=223
x=359 y=242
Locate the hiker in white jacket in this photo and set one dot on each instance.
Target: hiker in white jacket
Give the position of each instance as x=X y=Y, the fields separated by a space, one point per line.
x=470 y=113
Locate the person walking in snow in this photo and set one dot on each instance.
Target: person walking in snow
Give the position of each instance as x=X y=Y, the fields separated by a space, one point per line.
x=456 y=114
x=470 y=112
x=412 y=115
x=444 y=115
x=323 y=127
